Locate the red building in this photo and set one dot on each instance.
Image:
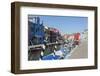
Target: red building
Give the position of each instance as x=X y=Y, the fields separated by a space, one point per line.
x=54 y=35
x=77 y=38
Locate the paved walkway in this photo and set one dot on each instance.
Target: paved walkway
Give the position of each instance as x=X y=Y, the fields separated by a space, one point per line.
x=80 y=52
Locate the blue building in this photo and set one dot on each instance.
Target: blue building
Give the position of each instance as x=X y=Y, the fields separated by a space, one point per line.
x=35 y=30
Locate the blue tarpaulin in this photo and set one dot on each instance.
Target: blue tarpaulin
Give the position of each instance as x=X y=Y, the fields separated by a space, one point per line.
x=51 y=57
x=63 y=51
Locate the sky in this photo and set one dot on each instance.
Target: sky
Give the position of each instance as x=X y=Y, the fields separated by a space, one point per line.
x=65 y=24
